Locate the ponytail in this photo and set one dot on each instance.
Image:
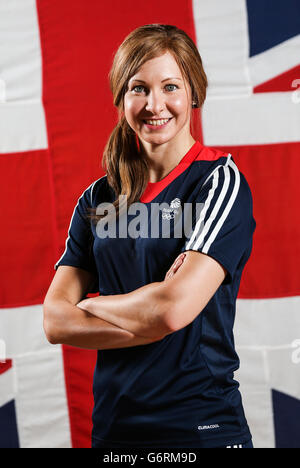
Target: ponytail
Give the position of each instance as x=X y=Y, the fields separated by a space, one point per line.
x=127 y=172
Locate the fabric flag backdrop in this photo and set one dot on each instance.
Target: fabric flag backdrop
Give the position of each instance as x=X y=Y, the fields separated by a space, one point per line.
x=56 y=114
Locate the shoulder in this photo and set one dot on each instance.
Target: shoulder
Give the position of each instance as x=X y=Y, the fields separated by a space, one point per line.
x=222 y=166
x=208 y=153
x=208 y=162
x=222 y=184
x=96 y=192
x=97 y=186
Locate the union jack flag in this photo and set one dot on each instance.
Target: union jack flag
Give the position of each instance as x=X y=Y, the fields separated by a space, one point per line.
x=56 y=114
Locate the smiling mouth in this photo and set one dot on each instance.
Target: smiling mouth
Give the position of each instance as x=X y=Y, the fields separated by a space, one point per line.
x=156 y=122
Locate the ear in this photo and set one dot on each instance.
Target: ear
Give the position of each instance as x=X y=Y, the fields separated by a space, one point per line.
x=195 y=102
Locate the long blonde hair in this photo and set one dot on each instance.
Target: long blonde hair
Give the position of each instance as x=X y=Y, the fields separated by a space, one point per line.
x=121 y=160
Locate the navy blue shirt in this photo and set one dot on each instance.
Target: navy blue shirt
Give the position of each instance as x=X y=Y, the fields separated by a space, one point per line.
x=179 y=391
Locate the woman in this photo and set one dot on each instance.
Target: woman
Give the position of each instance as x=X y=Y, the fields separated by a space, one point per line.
x=164 y=375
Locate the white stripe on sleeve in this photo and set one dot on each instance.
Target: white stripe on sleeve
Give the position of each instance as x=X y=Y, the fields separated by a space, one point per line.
x=227 y=208
x=202 y=228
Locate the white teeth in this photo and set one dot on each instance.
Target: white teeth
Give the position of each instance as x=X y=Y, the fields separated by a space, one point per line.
x=157 y=122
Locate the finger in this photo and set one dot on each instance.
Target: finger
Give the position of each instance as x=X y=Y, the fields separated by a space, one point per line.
x=178 y=262
x=168 y=274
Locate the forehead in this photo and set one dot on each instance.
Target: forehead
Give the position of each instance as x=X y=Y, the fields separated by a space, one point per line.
x=164 y=65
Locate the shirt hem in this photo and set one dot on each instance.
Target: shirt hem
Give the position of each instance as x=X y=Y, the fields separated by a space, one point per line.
x=204 y=442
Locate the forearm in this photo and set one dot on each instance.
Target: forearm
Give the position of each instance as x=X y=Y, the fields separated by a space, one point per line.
x=142 y=312
x=65 y=323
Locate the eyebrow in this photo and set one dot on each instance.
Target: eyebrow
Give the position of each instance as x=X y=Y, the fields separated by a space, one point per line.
x=166 y=79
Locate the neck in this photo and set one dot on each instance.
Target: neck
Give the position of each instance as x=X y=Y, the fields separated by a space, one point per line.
x=162 y=159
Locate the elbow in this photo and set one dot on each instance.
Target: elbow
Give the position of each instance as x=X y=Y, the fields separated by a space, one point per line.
x=179 y=315
x=173 y=313
x=179 y=310
x=169 y=322
x=51 y=332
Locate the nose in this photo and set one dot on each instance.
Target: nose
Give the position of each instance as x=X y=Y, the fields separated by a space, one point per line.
x=155 y=102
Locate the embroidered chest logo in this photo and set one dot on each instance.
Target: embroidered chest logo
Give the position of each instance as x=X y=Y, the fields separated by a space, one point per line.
x=169 y=213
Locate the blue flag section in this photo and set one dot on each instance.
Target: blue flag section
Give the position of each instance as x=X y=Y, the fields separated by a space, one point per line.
x=286 y=420
x=8 y=426
x=271 y=23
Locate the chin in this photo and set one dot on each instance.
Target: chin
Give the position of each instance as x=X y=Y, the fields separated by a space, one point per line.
x=157 y=139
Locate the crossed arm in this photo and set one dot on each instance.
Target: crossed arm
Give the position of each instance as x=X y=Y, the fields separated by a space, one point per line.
x=142 y=316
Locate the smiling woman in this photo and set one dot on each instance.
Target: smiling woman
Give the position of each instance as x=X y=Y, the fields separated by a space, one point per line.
x=163 y=322
x=159 y=111
x=157 y=73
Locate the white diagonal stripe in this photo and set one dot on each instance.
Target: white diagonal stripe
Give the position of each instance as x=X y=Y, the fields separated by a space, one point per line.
x=205 y=208
x=226 y=210
x=274 y=61
x=215 y=210
x=210 y=175
x=205 y=228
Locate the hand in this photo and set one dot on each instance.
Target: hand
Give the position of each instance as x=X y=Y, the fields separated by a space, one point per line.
x=176 y=265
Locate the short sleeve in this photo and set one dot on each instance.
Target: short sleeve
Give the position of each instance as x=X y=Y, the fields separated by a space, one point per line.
x=224 y=225
x=79 y=243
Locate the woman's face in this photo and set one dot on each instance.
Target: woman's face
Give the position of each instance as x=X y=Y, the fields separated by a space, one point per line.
x=157 y=104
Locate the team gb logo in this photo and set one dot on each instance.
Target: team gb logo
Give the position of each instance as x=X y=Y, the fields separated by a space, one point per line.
x=169 y=213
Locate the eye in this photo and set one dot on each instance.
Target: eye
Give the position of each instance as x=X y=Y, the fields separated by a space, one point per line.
x=170 y=86
x=137 y=88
